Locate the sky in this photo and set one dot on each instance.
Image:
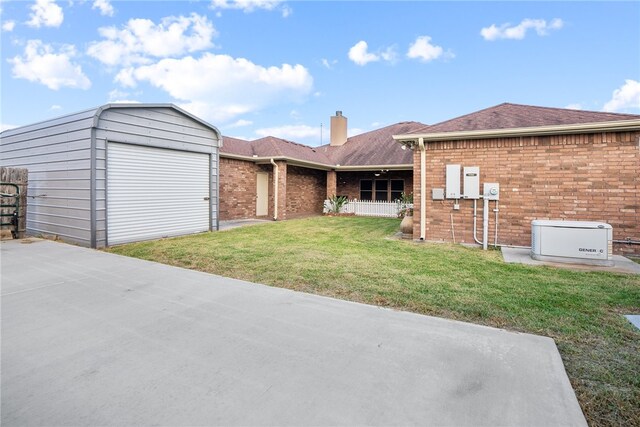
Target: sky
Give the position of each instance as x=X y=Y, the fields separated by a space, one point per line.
x=282 y=68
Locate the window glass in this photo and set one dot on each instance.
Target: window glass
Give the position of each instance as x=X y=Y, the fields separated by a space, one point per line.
x=382 y=186
x=397 y=188
x=366 y=189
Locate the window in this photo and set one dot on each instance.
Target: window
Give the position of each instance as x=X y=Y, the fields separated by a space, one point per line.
x=366 y=189
x=397 y=188
x=381 y=189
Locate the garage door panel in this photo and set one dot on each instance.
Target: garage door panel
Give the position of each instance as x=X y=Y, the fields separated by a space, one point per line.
x=155 y=192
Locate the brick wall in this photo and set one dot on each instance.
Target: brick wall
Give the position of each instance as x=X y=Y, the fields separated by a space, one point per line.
x=237 y=189
x=301 y=191
x=332 y=184
x=349 y=182
x=587 y=177
x=306 y=190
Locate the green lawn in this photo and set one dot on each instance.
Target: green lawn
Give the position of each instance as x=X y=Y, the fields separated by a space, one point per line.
x=355 y=259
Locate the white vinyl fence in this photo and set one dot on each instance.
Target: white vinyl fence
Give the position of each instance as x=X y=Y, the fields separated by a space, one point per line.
x=368 y=208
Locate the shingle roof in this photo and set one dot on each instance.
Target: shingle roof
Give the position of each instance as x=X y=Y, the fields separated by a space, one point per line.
x=376 y=147
x=236 y=146
x=511 y=116
x=270 y=146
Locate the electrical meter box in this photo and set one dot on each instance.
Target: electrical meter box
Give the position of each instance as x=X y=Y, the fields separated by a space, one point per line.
x=471 y=182
x=452 y=188
x=492 y=191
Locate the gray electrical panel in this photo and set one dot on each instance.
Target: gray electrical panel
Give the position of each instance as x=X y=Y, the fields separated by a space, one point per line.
x=437 y=193
x=471 y=182
x=452 y=187
x=492 y=191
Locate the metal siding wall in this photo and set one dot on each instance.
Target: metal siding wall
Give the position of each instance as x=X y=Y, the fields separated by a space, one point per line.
x=57 y=155
x=153 y=127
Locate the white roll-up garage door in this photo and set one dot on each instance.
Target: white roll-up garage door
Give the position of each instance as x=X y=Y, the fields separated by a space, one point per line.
x=154 y=193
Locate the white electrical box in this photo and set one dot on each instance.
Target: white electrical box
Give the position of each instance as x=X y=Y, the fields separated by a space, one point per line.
x=452 y=188
x=491 y=191
x=471 y=182
x=437 y=193
x=572 y=241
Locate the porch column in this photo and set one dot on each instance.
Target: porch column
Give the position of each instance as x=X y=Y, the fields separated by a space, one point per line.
x=417 y=193
x=281 y=200
x=332 y=184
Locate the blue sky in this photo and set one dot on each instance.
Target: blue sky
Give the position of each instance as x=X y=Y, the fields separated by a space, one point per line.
x=266 y=67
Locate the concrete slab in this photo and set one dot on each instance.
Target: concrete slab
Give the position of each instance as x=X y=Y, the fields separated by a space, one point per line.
x=92 y=338
x=634 y=319
x=522 y=256
x=235 y=223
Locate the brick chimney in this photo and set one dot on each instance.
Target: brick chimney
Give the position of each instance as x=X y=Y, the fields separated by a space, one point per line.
x=338 y=129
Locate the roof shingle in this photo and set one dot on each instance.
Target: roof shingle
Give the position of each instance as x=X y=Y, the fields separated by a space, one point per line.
x=512 y=116
x=376 y=147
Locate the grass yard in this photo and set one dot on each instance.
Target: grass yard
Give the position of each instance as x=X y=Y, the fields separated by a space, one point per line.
x=354 y=259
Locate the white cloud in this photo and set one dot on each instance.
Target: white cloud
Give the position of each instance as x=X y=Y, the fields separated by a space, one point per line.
x=124 y=101
x=286 y=11
x=47 y=13
x=626 y=97
x=328 y=64
x=360 y=55
x=574 y=106
x=518 y=32
x=219 y=87
x=55 y=107
x=423 y=50
x=41 y=63
x=389 y=54
x=104 y=6
x=141 y=39
x=246 y=6
x=8 y=26
x=290 y=132
x=239 y=123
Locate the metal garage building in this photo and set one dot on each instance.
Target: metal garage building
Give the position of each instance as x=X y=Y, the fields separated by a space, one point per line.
x=118 y=173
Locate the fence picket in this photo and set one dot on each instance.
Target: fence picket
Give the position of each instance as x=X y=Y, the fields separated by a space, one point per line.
x=368 y=208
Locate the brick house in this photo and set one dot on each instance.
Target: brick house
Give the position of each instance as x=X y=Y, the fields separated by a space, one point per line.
x=275 y=178
x=550 y=163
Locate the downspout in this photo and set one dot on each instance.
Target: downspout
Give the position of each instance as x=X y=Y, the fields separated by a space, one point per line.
x=275 y=190
x=423 y=185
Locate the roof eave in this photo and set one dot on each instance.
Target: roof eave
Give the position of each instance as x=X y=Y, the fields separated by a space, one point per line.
x=408 y=166
x=314 y=165
x=615 y=126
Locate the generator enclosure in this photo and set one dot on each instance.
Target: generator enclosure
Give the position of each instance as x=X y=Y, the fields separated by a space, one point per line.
x=582 y=242
x=118 y=173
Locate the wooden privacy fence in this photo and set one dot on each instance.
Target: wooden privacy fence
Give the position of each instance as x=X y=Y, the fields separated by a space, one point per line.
x=369 y=208
x=19 y=177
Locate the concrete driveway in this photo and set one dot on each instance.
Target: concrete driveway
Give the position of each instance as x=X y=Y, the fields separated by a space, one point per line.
x=91 y=338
